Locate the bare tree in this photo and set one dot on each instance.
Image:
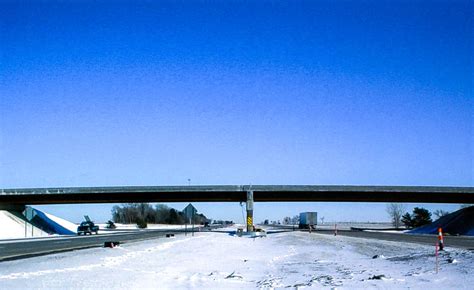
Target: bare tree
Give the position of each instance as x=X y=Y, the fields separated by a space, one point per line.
x=322 y=220
x=395 y=211
x=295 y=219
x=440 y=213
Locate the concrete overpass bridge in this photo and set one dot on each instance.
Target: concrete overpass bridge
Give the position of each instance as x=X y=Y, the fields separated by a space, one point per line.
x=235 y=193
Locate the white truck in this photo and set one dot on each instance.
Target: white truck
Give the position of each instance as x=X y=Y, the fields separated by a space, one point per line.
x=308 y=220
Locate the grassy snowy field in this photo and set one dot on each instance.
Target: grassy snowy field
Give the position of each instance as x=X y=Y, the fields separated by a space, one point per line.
x=218 y=260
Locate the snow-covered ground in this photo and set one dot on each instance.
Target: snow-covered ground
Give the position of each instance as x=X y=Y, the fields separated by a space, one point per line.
x=348 y=225
x=13 y=227
x=62 y=222
x=218 y=260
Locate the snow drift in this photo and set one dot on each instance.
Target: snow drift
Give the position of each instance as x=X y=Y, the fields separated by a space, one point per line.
x=460 y=222
x=289 y=260
x=30 y=222
x=14 y=226
x=51 y=223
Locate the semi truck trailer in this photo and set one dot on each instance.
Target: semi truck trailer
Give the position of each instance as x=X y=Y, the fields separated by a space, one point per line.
x=308 y=220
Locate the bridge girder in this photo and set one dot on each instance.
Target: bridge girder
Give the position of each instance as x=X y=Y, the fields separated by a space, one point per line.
x=237 y=193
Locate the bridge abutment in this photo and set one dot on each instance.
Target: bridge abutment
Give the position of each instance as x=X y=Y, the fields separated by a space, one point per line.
x=12 y=207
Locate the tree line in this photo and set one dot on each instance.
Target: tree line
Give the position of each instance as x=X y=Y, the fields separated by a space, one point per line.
x=144 y=213
x=419 y=217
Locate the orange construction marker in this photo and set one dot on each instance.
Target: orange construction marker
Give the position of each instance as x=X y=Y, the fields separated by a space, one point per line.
x=440 y=239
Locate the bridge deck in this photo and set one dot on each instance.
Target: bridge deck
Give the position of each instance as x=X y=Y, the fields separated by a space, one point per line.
x=237 y=193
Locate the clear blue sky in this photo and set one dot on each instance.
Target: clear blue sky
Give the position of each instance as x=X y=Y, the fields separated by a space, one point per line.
x=230 y=92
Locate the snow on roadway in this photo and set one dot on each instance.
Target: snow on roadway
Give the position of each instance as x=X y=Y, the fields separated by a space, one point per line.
x=218 y=260
x=149 y=226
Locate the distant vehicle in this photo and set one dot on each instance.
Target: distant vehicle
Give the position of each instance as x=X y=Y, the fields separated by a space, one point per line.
x=239 y=232
x=308 y=220
x=87 y=227
x=110 y=225
x=258 y=232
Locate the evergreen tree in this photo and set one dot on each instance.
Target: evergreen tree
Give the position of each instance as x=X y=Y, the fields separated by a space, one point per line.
x=173 y=217
x=421 y=217
x=407 y=221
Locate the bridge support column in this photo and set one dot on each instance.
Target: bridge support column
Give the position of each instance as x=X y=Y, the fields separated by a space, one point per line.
x=249 y=211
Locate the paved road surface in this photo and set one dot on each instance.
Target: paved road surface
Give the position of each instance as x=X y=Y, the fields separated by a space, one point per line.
x=463 y=242
x=30 y=248
x=13 y=250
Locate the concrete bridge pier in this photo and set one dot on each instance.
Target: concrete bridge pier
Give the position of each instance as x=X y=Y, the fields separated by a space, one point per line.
x=249 y=206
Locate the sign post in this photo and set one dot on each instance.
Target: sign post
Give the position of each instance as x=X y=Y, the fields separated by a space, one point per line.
x=29 y=214
x=189 y=212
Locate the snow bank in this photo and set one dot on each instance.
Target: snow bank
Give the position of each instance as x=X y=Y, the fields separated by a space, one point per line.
x=387 y=231
x=72 y=227
x=132 y=227
x=13 y=227
x=41 y=224
x=460 y=222
x=52 y=224
x=221 y=261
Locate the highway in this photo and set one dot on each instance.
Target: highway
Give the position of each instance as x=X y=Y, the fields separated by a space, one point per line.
x=462 y=242
x=12 y=250
x=25 y=248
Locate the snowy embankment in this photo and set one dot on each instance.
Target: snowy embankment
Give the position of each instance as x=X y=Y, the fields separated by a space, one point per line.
x=218 y=260
x=69 y=226
x=14 y=227
x=460 y=222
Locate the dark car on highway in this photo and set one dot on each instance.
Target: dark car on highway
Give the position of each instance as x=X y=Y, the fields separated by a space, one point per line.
x=87 y=227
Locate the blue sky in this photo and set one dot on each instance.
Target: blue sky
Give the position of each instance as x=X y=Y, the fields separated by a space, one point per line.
x=231 y=92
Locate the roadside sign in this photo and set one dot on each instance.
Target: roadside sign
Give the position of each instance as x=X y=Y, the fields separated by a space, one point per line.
x=29 y=213
x=189 y=211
